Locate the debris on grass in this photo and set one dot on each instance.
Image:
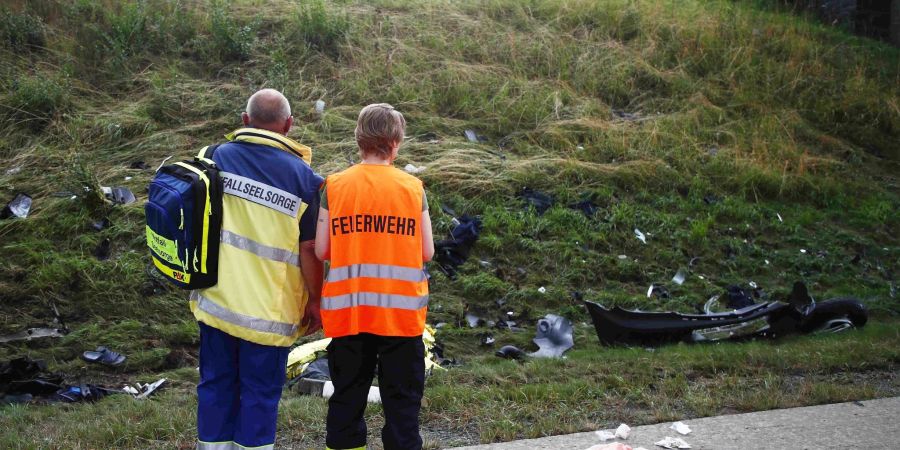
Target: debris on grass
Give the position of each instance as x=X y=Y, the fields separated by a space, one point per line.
x=32 y=333
x=18 y=207
x=670 y=442
x=542 y=290
x=587 y=207
x=142 y=391
x=139 y=165
x=679 y=277
x=101 y=224
x=118 y=195
x=411 y=169
x=537 y=199
x=319 y=107
x=638 y=234
x=474 y=137
x=553 y=337
x=657 y=290
x=473 y=320
x=681 y=428
x=510 y=352
x=487 y=340
x=453 y=252
x=102 y=250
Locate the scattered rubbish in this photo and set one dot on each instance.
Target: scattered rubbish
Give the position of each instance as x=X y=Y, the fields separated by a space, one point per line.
x=554 y=336
x=710 y=199
x=128 y=178
x=657 y=290
x=542 y=290
x=451 y=253
x=713 y=150
x=13 y=170
x=779 y=218
x=802 y=250
x=82 y=393
x=448 y=210
x=612 y=446
x=737 y=298
x=140 y=165
x=19 y=207
x=681 y=428
x=103 y=249
x=679 y=277
x=766 y=261
x=118 y=195
x=510 y=352
x=623 y=431
x=485 y=264
x=800 y=314
x=670 y=442
x=640 y=236
x=693 y=261
x=473 y=320
x=104 y=356
x=587 y=207
x=626 y=116
x=101 y=224
x=579 y=147
x=413 y=169
x=753 y=284
x=472 y=136
x=604 y=435
x=141 y=391
x=319 y=106
x=539 y=200
x=22 y=379
x=32 y=333
x=487 y=340
x=623 y=256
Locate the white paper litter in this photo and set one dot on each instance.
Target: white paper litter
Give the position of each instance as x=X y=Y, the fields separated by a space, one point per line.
x=679 y=277
x=681 y=428
x=779 y=217
x=413 y=169
x=670 y=442
x=623 y=431
x=610 y=446
x=605 y=435
x=802 y=250
x=542 y=290
x=319 y=106
x=623 y=256
x=640 y=236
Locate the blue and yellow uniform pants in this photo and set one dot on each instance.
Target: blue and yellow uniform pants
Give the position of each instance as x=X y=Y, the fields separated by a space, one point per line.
x=240 y=386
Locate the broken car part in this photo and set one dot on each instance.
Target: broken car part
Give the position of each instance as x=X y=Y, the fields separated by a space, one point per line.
x=510 y=352
x=19 y=207
x=539 y=200
x=118 y=195
x=102 y=250
x=452 y=253
x=32 y=333
x=770 y=319
x=553 y=337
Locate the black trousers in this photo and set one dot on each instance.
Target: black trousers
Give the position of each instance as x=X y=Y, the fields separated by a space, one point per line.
x=401 y=380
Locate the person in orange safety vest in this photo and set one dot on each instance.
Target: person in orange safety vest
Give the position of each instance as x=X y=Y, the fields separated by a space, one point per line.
x=374 y=227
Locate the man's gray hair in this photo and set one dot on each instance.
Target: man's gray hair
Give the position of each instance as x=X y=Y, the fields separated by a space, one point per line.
x=267 y=107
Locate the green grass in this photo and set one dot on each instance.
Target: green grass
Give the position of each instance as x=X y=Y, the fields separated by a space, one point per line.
x=766 y=113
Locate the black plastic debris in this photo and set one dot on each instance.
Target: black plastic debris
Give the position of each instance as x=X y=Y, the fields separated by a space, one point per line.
x=101 y=224
x=487 y=340
x=19 y=207
x=657 y=290
x=587 y=207
x=764 y=320
x=438 y=352
x=23 y=379
x=554 y=336
x=82 y=393
x=448 y=210
x=737 y=298
x=711 y=199
x=451 y=253
x=119 y=195
x=539 y=200
x=103 y=249
x=139 y=165
x=510 y=352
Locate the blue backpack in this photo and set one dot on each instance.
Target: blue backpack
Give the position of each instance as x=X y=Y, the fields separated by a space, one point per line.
x=184 y=220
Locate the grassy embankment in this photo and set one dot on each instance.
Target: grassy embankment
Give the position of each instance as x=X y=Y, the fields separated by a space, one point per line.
x=761 y=113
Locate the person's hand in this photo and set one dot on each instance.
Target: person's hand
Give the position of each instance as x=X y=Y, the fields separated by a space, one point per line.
x=312 y=318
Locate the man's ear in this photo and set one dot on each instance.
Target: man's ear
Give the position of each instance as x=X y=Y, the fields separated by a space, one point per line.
x=245 y=118
x=287 y=124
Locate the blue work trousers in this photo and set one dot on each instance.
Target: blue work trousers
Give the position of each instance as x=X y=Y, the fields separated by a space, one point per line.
x=240 y=386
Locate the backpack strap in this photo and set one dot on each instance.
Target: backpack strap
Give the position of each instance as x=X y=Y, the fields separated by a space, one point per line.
x=206 y=153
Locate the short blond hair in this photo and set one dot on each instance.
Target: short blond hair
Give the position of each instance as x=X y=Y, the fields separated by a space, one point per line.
x=379 y=128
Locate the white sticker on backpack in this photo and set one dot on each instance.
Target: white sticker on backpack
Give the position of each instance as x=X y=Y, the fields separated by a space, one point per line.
x=261 y=193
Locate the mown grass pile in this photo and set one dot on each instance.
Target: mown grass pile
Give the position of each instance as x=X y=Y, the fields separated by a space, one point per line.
x=762 y=144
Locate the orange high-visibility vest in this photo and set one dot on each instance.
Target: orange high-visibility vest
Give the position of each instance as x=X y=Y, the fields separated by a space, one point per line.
x=376 y=283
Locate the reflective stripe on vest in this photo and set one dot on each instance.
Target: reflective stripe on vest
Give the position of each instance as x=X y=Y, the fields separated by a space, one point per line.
x=376 y=271
x=254 y=323
x=228 y=445
x=263 y=251
x=374 y=299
